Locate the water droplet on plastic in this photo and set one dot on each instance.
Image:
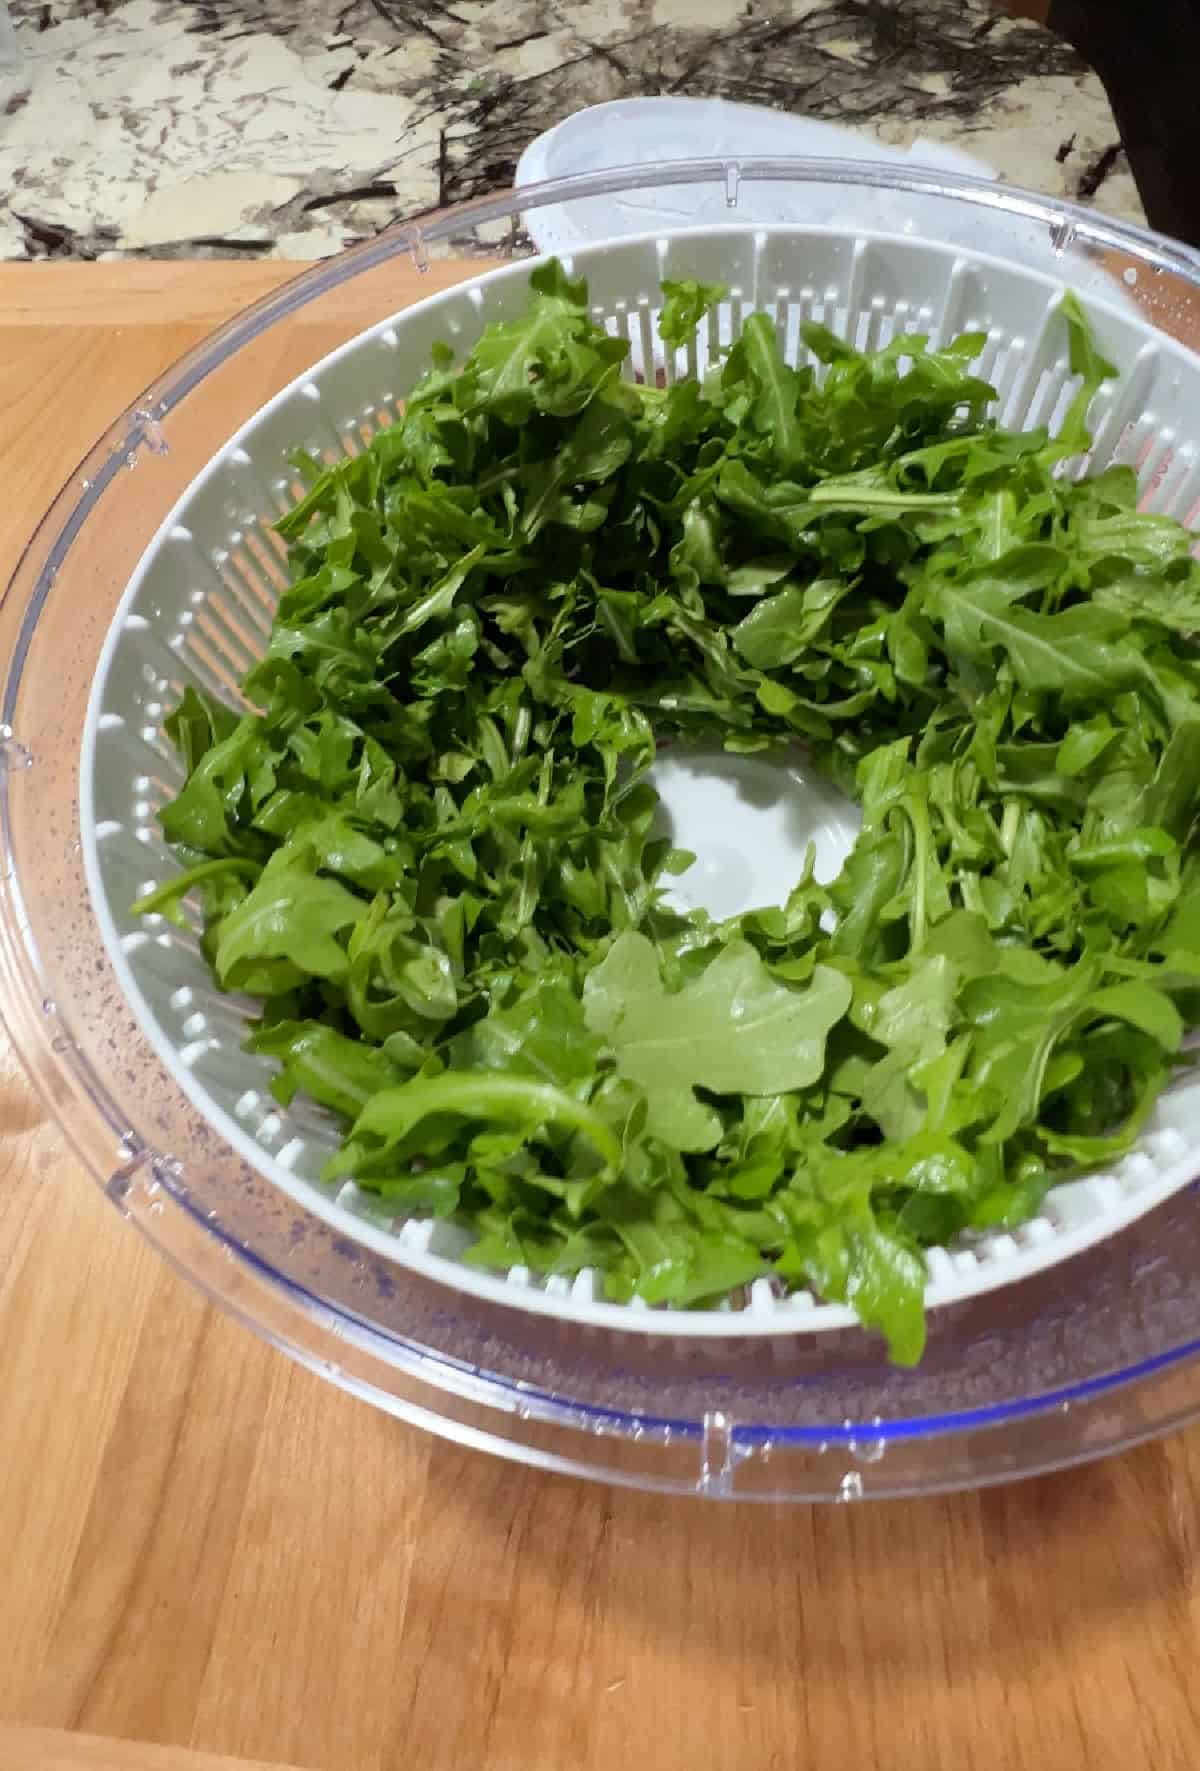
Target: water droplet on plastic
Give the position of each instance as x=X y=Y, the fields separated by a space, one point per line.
x=850 y=1487
x=117 y=1188
x=1062 y=235
x=13 y=754
x=867 y=1451
x=716 y=1453
x=151 y=430
x=1130 y=275
x=49 y=1006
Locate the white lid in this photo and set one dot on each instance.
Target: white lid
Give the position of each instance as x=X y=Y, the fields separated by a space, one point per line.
x=647 y=131
x=644 y=131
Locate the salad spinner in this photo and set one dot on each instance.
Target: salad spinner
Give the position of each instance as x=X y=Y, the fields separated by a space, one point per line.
x=157 y=566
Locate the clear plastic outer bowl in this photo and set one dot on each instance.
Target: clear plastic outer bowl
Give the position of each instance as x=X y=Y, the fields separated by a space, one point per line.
x=1097 y=1353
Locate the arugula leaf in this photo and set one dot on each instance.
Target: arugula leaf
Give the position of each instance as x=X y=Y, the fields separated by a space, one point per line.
x=293 y=916
x=339 y=1072
x=913 y=1020
x=549 y=360
x=685 y=303
x=397 y=1119
x=885 y=1282
x=732 y=1030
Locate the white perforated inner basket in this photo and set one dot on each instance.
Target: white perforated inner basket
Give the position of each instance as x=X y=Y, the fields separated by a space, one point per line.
x=199 y=609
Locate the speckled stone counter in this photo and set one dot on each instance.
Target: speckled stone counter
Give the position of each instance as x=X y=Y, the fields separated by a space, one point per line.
x=290 y=128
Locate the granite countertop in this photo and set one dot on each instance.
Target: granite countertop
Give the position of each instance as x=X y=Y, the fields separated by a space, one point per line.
x=291 y=128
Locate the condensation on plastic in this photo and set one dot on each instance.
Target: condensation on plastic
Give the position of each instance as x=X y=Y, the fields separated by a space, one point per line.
x=1096 y=1353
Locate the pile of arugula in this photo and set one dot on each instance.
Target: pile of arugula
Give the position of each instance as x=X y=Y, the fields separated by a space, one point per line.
x=431 y=851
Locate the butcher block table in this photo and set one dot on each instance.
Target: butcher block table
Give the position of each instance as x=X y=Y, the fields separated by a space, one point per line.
x=210 y=1559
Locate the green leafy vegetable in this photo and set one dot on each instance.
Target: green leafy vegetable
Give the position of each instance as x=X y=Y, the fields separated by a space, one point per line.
x=733 y=1030
x=430 y=849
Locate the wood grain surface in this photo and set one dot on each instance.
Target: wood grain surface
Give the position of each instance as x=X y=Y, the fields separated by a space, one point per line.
x=203 y=1547
x=54 y=1749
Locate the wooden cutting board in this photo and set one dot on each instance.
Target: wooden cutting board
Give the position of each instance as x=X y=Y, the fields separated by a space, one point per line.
x=202 y=1547
x=54 y=1749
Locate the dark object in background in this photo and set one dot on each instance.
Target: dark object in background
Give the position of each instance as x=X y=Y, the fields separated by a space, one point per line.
x=1148 y=57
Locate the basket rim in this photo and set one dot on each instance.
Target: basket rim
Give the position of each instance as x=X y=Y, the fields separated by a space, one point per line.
x=713 y=1323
